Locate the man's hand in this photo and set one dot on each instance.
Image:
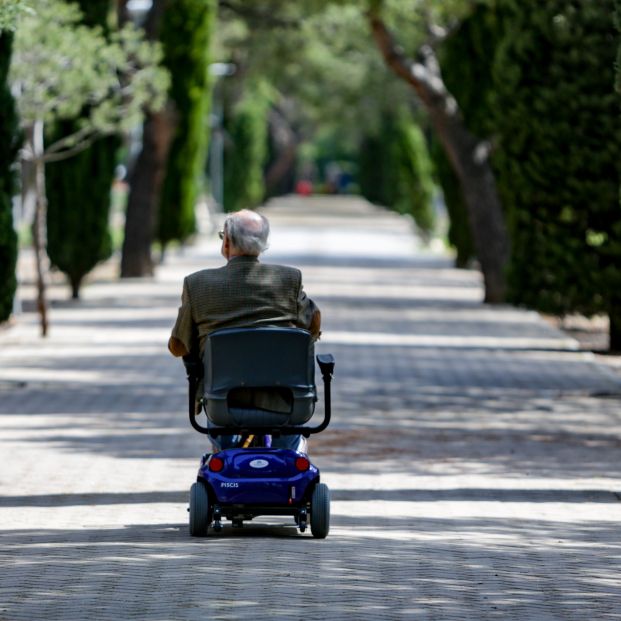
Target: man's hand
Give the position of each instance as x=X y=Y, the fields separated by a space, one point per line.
x=315 y=325
x=176 y=347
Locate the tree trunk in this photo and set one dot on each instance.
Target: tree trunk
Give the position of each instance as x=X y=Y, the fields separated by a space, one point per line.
x=35 y=185
x=485 y=214
x=75 y=283
x=614 y=316
x=468 y=155
x=286 y=145
x=146 y=177
x=122 y=13
x=145 y=184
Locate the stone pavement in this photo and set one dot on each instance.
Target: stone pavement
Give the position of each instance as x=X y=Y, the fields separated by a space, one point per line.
x=473 y=459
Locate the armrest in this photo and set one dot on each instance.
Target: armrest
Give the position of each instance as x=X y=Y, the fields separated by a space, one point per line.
x=326 y=364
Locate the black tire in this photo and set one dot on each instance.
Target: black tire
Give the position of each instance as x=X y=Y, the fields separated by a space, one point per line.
x=199 y=510
x=320 y=511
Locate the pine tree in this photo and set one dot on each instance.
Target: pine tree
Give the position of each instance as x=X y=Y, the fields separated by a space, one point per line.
x=559 y=156
x=8 y=153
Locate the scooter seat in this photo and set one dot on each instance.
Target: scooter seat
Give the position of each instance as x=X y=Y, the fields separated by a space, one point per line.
x=243 y=360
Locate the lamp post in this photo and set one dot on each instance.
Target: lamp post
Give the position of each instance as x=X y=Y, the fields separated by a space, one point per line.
x=216 y=144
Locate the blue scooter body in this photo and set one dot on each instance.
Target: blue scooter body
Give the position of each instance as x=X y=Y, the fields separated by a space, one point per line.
x=259 y=477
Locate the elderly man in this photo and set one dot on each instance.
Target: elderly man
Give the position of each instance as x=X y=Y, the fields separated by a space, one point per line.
x=242 y=293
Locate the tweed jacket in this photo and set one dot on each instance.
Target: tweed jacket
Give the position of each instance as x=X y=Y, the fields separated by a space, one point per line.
x=244 y=292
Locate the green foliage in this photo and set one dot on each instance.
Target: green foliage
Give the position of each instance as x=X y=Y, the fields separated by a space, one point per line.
x=617 y=21
x=416 y=178
x=412 y=18
x=328 y=79
x=61 y=66
x=374 y=170
x=10 y=11
x=8 y=153
x=8 y=257
x=466 y=59
x=614 y=313
x=246 y=152
x=78 y=191
x=559 y=157
x=459 y=235
x=186 y=36
x=395 y=170
x=340 y=78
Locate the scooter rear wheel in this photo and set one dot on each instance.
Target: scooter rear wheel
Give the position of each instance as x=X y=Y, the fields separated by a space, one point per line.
x=320 y=511
x=199 y=510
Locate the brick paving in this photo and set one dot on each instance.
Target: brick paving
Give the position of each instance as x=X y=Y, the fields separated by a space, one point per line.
x=473 y=459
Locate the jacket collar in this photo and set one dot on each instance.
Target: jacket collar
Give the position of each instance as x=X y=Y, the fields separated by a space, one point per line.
x=244 y=258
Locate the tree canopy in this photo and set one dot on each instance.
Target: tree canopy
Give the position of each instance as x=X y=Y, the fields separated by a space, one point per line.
x=61 y=66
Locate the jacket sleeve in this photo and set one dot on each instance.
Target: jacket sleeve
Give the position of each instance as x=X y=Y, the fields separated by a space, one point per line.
x=309 y=315
x=182 y=336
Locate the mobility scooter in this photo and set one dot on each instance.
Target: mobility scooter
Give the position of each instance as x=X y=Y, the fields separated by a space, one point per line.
x=255 y=478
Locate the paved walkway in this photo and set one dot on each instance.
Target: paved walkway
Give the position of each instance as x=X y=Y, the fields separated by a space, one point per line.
x=473 y=459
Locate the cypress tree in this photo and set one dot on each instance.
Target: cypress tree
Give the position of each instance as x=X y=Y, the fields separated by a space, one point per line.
x=617 y=21
x=560 y=156
x=185 y=35
x=459 y=236
x=78 y=193
x=372 y=171
x=395 y=170
x=615 y=306
x=466 y=59
x=247 y=150
x=8 y=152
x=78 y=190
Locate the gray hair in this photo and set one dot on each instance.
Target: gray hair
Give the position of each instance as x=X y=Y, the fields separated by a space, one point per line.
x=248 y=231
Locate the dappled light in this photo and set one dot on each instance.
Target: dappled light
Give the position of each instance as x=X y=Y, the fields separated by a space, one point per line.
x=471 y=447
x=441 y=181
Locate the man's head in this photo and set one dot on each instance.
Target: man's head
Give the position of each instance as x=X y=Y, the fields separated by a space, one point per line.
x=245 y=233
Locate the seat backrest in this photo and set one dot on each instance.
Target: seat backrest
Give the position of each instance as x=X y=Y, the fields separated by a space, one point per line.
x=266 y=357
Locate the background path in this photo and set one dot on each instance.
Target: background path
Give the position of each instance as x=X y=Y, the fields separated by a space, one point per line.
x=473 y=459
